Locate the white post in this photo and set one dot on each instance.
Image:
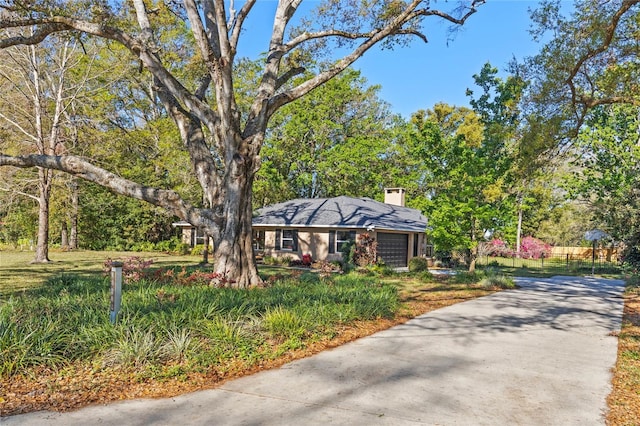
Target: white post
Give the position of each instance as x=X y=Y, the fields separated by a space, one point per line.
x=116 y=290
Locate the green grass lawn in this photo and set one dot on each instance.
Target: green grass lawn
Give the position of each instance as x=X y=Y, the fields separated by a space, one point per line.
x=18 y=274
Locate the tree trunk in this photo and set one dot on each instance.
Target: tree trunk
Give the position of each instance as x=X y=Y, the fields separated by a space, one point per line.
x=42 y=245
x=73 y=216
x=64 y=236
x=473 y=257
x=233 y=253
x=473 y=253
x=519 y=231
x=205 y=250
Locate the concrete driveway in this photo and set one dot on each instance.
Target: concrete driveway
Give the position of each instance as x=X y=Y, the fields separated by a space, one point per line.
x=538 y=355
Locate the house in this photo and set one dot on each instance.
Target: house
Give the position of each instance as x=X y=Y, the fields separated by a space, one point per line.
x=190 y=234
x=320 y=227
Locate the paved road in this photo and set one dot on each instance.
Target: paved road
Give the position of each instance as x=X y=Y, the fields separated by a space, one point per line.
x=538 y=355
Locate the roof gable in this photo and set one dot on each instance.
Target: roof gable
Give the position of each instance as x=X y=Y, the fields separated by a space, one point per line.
x=341 y=212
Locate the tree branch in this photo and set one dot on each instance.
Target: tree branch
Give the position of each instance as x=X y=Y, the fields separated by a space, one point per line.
x=236 y=26
x=395 y=26
x=592 y=53
x=24 y=194
x=289 y=75
x=19 y=127
x=36 y=37
x=305 y=37
x=167 y=199
x=50 y=25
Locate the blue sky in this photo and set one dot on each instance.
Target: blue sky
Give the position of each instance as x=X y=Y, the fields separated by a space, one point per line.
x=420 y=75
x=424 y=74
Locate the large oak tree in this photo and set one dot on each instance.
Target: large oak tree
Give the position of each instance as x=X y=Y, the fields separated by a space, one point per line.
x=585 y=89
x=223 y=143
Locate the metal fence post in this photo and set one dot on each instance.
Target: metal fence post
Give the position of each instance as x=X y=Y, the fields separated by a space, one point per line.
x=593 y=258
x=116 y=290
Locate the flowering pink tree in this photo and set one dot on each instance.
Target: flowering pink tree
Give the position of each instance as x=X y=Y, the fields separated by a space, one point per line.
x=533 y=248
x=500 y=248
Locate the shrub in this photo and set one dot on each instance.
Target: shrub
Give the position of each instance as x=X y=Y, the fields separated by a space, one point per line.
x=143 y=246
x=418 y=264
x=494 y=279
x=366 y=251
x=630 y=255
x=326 y=268
x=197 y=250
x=269 y=260
x=381 y=270
x=134 y=268
x=444 y=259
x=499 y=248
x=348 y=251
x=182 y=249
x=633 y=283
x=306 y=261
x=189 y=278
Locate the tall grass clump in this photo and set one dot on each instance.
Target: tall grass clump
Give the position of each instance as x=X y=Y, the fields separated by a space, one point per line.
x=283 y=323
x=227 y=338
x=162 y=325
x=495 y=279
x=134 y=347
x=46 y=327
x=466 y=278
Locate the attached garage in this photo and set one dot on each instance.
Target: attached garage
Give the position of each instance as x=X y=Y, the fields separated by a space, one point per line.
x=393 y=249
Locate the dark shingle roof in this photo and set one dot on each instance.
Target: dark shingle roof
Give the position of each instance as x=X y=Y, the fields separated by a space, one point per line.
x=341 y=212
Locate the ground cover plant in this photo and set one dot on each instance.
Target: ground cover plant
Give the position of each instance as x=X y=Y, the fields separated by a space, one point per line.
x=61 y=331
x=60 y=351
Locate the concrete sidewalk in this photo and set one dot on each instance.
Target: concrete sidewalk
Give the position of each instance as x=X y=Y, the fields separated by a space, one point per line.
x=538 y=355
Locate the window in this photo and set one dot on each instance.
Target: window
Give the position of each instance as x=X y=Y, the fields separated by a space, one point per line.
x=286 y=239
x=258 y=240
x=344 y=238
x=338 y=239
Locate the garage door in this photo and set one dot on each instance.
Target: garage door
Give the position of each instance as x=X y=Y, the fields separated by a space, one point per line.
x=393 y=249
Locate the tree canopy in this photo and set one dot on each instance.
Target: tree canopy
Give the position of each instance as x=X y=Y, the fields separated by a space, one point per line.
x=340 y=134
x=189 y=49
x=590 y=60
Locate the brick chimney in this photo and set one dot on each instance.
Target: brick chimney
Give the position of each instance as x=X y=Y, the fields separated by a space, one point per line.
x=394 y=196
